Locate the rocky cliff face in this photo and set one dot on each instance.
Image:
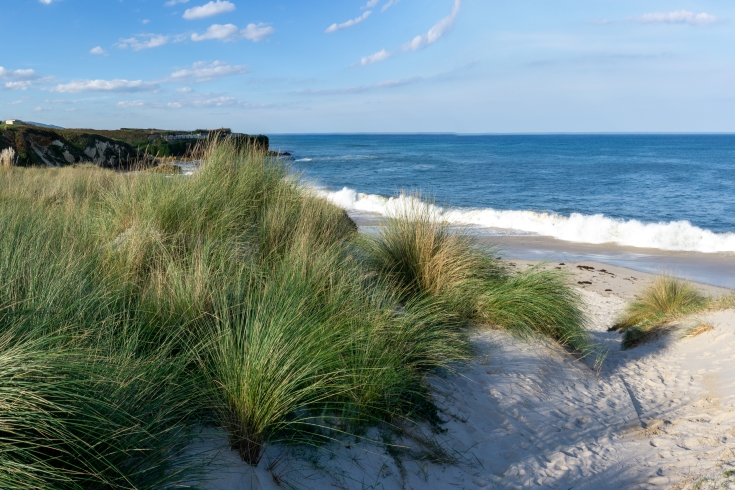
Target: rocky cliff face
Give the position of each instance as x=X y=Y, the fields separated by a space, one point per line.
x=57 y=148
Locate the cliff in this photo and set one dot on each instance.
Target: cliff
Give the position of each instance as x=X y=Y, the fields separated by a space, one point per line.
x=34 y=145
x=118 y=149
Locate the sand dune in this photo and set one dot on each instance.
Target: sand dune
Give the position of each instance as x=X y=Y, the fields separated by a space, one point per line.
x=529 y=415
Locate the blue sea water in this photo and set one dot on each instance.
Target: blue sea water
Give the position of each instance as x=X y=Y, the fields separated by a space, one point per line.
x=672 y=192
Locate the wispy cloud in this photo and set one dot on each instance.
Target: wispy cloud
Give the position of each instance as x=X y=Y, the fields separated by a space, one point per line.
x=436 y=32
x=127 y=104
x=419 y=42
x=171 y=3
x=230 y=32
x=678 y=17
x=598 y=58
x=203 y=71
x=370 y=4
x=388 y=5
x=222 y=101
x=98 y=50
x=46 y=2
x=362 y=88
x=349 y=23
x=117 y=85
x=388 y=84
x=143 y=41
x=209 y=10
x=375 y=57
x=601 y=22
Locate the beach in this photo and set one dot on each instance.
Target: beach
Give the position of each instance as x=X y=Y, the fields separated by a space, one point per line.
x=286 y=336
x=527 y=414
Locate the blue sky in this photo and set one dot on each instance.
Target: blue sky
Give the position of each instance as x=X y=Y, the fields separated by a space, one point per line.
x=471 y=66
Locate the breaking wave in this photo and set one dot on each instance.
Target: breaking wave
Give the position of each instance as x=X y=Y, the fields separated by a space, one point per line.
x=595 y=229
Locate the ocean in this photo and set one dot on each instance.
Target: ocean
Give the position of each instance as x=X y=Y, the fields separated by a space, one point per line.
x=666 y=192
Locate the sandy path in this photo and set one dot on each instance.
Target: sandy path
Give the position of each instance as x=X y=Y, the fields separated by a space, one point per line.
x=528 y=415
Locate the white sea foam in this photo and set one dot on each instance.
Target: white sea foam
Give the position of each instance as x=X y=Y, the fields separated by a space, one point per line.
x=596 y=229
x=304 y=160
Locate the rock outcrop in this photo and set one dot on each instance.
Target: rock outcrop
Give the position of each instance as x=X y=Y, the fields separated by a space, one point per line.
x=121 y=149
x=57 y=148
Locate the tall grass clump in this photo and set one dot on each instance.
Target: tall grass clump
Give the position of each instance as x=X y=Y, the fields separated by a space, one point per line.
x=421 y=256
x=307 y=344
x=78 y=418
x=274 y=353
x=664 y=301
x=7 y=158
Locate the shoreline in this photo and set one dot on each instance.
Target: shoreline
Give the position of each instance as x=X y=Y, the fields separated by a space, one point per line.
x=713 y=269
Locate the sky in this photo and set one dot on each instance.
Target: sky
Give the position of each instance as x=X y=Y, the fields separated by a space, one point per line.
x=379 y=66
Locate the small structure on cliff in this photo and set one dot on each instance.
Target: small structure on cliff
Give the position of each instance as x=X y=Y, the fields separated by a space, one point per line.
x=15 y=122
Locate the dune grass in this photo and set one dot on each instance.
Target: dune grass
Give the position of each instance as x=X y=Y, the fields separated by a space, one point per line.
x=421 y=256
x=662 y=303
x=7 y=158
x=135 y=307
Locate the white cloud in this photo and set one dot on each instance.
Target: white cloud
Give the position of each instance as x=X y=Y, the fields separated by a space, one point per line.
x=223 y=101
x=370 y=4
x=436 y=32
x=18 y=74
x=41 y=109
x=389 y=5
x=216 y=102
x=226 y=32
x=257 y=32
x=374 y=58
x=203 y=71
x=208 y=10
x=145 y=21
x=19 y=79
x=184 y=90
x=20 y=85
x=349 y=23
x=45 y=2
x=126 y=104
x=98 y=50
x=171 y=3
x=678 y=17
x=143 y=41
x=19 y=101
x=116 y=85
x=230 y=32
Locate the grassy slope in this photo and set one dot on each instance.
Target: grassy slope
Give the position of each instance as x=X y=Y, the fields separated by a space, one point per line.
x=136 y=306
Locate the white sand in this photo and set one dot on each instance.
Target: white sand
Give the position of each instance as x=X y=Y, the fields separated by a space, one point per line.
x=528 y=415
